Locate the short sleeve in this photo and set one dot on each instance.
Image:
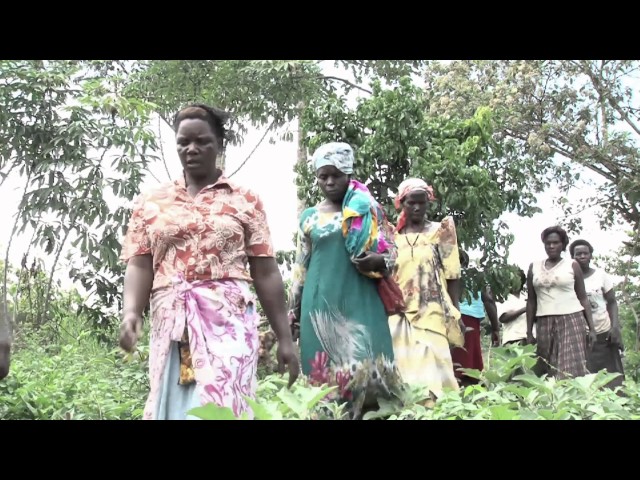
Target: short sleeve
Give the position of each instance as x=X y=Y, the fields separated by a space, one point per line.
x=448 y=249
x=511 y=303
x=257 y=236
x=607 y=282
x=502 y=307
x=299 y=273
x=136 y=239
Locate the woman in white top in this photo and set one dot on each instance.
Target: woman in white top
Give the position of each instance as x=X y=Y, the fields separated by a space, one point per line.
x=512 y=314
x=604 y=309
x=559 y=305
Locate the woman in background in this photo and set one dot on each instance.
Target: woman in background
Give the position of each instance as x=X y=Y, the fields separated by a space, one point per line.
x=559 y=307
x=605 y=354
x=428 y=272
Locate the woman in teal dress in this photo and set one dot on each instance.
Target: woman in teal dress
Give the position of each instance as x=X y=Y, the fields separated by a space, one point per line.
x=345 y=244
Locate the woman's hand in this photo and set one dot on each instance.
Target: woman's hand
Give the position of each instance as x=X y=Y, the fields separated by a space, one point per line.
x=130 y=331
x=615 y=337
x=370 y=262
x=286 y=355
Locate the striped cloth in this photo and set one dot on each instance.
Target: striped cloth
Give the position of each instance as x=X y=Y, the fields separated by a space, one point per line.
x=562 y=345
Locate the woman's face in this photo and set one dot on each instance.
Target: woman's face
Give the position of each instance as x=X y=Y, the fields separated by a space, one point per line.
x=332 y=182
x=582 y=255
x=553 y=245
x=197 y=147
x=415 y=206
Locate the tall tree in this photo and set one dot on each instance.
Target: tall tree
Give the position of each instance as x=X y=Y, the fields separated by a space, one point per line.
x=260 y=93
x=395 y=137
x=61 y=125
x=564 y=114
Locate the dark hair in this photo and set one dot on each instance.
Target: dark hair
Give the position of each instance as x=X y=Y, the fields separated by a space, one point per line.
x=579 y=243
x=215 y=117
x=564 y=238
x=464 y=258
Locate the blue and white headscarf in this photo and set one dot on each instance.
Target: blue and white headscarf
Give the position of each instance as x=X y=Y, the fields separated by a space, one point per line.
x=337 y=154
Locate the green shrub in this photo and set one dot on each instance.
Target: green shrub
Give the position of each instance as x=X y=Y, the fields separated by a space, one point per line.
x=507 y=390
x=79 y=380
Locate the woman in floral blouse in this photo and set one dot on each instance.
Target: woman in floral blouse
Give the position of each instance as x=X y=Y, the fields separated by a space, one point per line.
x=187 y=249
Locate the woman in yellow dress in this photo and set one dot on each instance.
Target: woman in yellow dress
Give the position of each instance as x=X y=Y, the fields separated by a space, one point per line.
x=427 y=270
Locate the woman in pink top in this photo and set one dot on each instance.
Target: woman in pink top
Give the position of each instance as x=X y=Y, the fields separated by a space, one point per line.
x=193 y=248
x=559 y=306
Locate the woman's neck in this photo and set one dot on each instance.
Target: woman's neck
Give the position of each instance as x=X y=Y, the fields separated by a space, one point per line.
x=330 y=205
x=414 y=227
x=587 y=270
x=197 y=183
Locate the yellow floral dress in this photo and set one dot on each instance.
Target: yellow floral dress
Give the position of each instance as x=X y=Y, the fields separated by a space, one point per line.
x=423 y=335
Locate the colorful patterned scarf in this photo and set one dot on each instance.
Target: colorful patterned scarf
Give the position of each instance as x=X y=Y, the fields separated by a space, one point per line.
x=363 y=218
x=362 y=223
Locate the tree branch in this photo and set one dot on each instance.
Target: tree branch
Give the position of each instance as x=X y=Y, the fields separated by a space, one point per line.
x=346 y=82
x=598 y=203
x=164 y=160
x=6 y=175
x=254 y=149
x=597 y=85
x=554 y=145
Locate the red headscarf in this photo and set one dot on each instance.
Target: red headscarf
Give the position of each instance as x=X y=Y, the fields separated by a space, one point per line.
x=411 y=185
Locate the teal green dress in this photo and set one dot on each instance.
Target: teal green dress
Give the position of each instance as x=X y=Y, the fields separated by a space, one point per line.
x=345 y=338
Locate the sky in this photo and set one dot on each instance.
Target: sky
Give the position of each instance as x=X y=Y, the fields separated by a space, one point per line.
x=270 y=173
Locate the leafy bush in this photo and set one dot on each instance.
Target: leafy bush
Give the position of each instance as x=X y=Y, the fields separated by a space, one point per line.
x=507 y=390
x=81 y=378
x=74 y=381
x=274 y=401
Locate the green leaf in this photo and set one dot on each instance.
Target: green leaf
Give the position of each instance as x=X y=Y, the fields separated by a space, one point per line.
x=295 y=404
x=313 y=396
x=210 y=411
x=267 y=411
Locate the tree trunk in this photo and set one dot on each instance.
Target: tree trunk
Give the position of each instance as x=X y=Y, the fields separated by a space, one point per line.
x=302 y=151
x=5 y=342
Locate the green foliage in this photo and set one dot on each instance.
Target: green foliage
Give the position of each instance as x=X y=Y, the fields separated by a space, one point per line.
x=274 y=401
x=73 y=379
x=556 y=119
x=394 y=137
x=255 y=91
x=64 y=368
x=303 y=402
x=61 y=123
x=258 y=92
x=509 y=390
